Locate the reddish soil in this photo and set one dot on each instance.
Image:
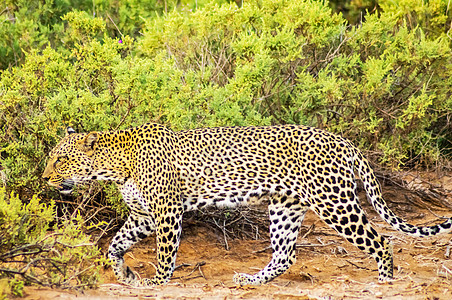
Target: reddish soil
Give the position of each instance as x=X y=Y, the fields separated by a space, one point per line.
x=328 y=267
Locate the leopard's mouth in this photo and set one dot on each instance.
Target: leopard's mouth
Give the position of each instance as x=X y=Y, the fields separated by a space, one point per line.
x=65 y=187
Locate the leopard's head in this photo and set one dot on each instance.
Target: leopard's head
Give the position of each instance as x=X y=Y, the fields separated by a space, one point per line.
x=71 y=161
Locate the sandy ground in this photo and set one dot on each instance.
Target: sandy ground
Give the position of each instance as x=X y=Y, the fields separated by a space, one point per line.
x=328 y=267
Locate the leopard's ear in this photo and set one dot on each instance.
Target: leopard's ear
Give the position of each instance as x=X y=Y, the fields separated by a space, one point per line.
x=88 y=143
x=69 y=131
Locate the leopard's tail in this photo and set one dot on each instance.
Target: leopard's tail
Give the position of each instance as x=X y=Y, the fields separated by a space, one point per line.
x=375 y=197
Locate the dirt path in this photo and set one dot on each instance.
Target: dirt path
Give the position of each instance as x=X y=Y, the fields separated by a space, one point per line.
x=328 y=267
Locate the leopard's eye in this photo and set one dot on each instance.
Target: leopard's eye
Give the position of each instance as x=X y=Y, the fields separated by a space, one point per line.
x=59 y=160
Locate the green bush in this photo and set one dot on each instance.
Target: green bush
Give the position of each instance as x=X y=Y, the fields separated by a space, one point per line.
x=36 y=247
x=29 y=25
x=384 y=83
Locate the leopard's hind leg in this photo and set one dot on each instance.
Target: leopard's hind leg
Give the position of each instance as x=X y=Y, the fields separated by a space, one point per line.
x=285 y=222
x=344 y=214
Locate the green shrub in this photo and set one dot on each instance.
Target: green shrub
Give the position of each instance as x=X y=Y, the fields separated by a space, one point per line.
x=385 y=83
x=30 y=25
x=36 y=247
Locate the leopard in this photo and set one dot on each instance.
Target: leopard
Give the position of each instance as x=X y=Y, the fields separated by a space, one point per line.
x=163 y=173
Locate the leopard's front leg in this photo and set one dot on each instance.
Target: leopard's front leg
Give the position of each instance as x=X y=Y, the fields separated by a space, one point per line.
x=136 y=228
x=169 y=227
x=157 y=180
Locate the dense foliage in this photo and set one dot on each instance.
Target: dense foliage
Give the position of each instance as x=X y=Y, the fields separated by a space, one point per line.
x=381 y=76
x=384 y=83
x=30 y=253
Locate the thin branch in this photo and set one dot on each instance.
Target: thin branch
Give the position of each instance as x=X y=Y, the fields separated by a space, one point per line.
x=115 y=25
